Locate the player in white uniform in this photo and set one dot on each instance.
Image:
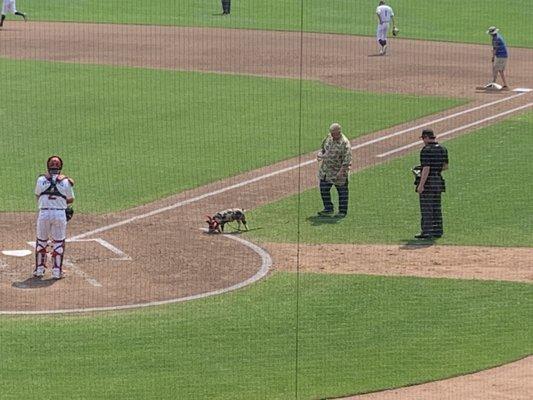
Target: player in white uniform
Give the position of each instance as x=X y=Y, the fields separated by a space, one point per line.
x=385 y=16
x=54 y=193
x=9 y=6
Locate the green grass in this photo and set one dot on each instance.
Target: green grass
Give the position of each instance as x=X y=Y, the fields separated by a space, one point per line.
x=356 y=334
x=130 y=136
x=437 y=20
x=488 y=199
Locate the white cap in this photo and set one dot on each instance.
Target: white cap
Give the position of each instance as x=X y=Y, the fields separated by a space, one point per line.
x=492 y=30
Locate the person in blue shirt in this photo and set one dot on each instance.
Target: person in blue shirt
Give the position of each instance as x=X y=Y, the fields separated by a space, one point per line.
x=499 y=55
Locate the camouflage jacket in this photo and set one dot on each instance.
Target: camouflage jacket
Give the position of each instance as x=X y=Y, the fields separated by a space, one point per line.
x=335 y=156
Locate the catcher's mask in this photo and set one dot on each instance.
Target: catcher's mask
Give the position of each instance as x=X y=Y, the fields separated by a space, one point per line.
x=54 y=164
x=212 y=224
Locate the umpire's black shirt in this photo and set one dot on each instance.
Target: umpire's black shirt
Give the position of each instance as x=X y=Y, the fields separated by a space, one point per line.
x=434 y=156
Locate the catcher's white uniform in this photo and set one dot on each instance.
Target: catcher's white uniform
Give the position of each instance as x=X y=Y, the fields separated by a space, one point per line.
x=53 y=192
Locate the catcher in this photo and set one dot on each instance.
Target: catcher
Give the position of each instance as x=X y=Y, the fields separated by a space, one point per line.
x=54 y=195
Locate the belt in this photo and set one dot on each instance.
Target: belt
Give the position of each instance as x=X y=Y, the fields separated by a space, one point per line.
x=53 y=209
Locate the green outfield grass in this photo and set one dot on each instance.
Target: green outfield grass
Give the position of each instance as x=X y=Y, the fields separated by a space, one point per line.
x=437 y=20
x=130 y=136
x=488 y=201
x=356 y=334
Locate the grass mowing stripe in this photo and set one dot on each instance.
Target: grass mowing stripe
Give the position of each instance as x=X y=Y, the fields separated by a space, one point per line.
x=358 y=333
x=130 y=136
x=443 y=20
x=487 y=201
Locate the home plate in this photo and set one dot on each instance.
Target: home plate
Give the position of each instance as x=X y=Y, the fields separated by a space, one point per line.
x=16 y=253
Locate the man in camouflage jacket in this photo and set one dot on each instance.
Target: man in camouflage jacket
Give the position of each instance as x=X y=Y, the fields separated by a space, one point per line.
x=335 y=158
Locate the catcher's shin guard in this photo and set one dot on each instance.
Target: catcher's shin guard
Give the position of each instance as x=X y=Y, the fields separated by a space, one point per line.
x=57 y=254
x=40 y=253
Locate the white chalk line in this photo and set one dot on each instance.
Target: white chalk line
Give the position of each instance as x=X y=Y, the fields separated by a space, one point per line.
x=81 y=274
x=278 y=172
x=266 y=263
x=460 y=128
x=104 y=243
x=436 y=121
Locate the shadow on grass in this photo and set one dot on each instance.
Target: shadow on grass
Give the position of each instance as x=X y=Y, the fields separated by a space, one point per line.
x=416 y=244
x=316 y=220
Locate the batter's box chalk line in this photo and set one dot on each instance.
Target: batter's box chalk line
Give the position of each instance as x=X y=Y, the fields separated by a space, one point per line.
x=121 y=256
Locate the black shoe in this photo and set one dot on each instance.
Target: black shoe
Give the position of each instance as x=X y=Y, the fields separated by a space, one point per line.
x=325 y=213
x=437 y=235
x=340 y=215
x=423 y=236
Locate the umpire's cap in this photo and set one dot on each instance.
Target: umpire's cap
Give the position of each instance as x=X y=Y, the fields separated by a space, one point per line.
x=428 y=133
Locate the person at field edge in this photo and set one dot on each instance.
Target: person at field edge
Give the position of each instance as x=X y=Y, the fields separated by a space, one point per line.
x=9 y=6
x=54 y=193
x=385 y=15
x=499 y=55
x=430 y=185
x=335 y=158
x=226 y=7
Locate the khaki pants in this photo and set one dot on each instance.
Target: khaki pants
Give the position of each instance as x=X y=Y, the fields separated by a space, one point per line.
x=499 y=64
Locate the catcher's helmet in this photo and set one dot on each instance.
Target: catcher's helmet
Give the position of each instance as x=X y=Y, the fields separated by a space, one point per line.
x=54 y=164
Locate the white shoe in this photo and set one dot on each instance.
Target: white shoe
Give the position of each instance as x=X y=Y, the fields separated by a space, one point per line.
x=56 y=273
x=385 y=49
x=381 y=51
x=39 y=272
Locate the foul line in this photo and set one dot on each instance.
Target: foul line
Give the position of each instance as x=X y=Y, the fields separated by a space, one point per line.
x=436 y=121
x=280 y=171
x=407 y=146
x=266 y=263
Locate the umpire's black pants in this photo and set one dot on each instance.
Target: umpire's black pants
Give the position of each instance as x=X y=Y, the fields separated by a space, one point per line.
x=226 y=6
x=342 y=190
x=431 y=213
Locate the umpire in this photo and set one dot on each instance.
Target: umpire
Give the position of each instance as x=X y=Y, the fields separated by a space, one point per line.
x=430 y=185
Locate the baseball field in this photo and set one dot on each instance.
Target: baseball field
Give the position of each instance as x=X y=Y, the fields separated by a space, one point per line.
x=165 y=112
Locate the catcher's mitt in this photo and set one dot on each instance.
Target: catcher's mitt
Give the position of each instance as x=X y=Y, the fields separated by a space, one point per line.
x=395 y=31
x=69 y=212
